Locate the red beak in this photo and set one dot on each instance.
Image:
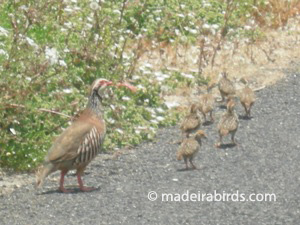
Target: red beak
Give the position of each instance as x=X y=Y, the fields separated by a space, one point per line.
x=127 y=85
x=109 y=83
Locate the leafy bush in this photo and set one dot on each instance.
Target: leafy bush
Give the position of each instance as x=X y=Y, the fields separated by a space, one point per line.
x=51 y=51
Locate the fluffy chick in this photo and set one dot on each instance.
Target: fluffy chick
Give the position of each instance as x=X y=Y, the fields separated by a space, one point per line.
x=207 y=104
x=189 y=148
x=247 y=99
x=228 y=124
x=226 y=87
x=191 y=122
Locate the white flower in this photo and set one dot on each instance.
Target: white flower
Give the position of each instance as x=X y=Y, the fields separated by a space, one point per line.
x=31 y=42
x=94 y=6
x=68 y=24
x=147 y=72
x=51 y=55
x=150 y=110
x=119 y=131
x=135 y=77
x=67 y=90
x=140 y=87
x=171 y=104
x=141 y=128
x=152 y=129
x=247 y=27
x=187 y=75
x=160 y=78
x=193 y=31
x=148 y=65
x=154 y=121
x=117 y=11
x=160 y=110
x=88 y=26
x=110 y=120
x=180 y=15
x=125 y=98
x=3 y=32
x=215 y=26
x=68 y=9
x=206 y=26
x=160 y=118
x=62 y=63
x=13 y=131
x=2 y=52
x=23 y=7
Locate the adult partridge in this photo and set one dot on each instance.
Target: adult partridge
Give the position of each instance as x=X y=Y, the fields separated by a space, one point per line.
x=226 y=87
x=228 y=124
x=75 y=148
x=189 y=148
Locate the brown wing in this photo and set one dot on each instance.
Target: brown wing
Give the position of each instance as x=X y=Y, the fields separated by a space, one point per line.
x=228 y=123
x=247 y=96
x=66 y=145
x=191 y=122
x=207 y=103
x=188 y=147
x=226 y=86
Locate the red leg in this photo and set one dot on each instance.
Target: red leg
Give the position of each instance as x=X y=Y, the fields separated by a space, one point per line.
x=81 y=187
x=61 y=182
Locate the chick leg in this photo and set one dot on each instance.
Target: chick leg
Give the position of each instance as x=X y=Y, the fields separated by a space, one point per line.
x=211 y=116
x=246 y=111
x=218 y=145
x=249 y=112
x=232 y=138
x=223 y=96
x=204 y=115
x=186 y=163
x=191 y=162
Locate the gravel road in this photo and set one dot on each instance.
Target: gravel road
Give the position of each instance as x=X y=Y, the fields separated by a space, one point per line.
x=266 y=161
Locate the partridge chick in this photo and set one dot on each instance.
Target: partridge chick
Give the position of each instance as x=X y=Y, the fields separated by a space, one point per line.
x=247 y=98
x=206 y=104
x=191 y=122
x=228 y=124
x=226 y=87
x=189 y=148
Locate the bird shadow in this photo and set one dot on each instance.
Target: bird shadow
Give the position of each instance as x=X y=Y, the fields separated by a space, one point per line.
x=207 y=123
x=190 y=169
x=72 y=191
x=243 y=117
x=222 y=106
x=224 y=146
